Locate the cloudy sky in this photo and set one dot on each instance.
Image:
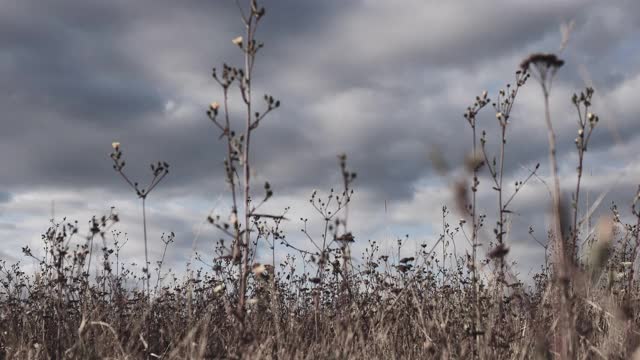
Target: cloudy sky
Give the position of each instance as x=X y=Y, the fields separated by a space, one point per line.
x=385 y=82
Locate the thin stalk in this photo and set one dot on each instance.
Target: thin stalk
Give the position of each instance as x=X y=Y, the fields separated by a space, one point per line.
x=564 y=310
x=474 y=245
x=146 y=250
x=246 y=93
x=501 y=209
x=164 y=253
x=556 y=186
x=574 y=238
x=90 y=254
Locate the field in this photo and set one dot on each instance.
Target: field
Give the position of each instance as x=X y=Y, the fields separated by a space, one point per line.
x=265 y=293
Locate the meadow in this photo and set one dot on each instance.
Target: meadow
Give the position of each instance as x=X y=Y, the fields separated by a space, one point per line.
x=436 y=303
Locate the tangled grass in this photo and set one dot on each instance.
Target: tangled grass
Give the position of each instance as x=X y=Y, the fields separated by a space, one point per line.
x=429 y=305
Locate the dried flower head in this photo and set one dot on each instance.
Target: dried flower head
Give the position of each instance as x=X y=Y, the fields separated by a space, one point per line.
x=214 y=106
x=219 y=288
x=499 y=251
x=115 y=145
x=541 y=60
x=252 y=301
x=543 y=67
x=406 y=260
x=258 y=269
x=237 y=41
x=347 y=237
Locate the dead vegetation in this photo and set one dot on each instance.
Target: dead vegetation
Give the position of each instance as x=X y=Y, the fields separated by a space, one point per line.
x=433 y=304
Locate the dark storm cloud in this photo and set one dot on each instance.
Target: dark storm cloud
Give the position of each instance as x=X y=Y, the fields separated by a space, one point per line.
x=73 y=86
x=67 y=61
x=74 y=78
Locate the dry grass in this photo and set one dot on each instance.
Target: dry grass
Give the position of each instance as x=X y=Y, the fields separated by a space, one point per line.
x=429 y=305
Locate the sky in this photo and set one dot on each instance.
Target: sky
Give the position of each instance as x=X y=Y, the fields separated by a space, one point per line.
x=385 y=82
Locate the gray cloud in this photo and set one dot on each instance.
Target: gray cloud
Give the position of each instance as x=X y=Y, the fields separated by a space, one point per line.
x=5 y=197
x=379 y=81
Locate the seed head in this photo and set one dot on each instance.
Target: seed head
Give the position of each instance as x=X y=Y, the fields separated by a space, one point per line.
x=258 y=269
x=541 y=60
x=543 y=67
x=499 y=251
x=252 y=301
x=115 y=145
x=237 y=41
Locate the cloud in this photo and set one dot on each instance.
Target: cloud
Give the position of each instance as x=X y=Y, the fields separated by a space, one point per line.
x=381 y=81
